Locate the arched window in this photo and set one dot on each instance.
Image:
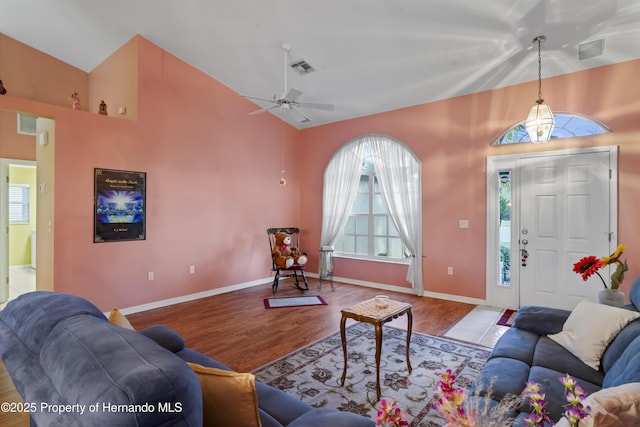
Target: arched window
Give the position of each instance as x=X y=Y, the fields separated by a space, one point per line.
x=372 y=203
x=568 y=125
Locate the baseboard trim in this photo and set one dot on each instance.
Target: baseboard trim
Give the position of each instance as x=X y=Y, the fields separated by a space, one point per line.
x=226 y=289
x=191 y=297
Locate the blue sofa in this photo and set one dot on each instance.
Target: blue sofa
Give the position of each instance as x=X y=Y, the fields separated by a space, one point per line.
x=526 y=353
x=74 y=368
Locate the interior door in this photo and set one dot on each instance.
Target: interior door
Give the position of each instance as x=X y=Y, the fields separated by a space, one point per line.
x=564 y=215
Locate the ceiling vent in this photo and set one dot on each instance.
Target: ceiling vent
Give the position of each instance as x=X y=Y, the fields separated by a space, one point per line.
x=302 y=67
x=590 y=49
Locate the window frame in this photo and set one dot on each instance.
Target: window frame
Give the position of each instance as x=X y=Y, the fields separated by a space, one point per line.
x=23 y=206
x=371 y=215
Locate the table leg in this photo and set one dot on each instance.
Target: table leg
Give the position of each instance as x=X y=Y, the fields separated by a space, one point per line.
x=343 y=336
x=378 y=327
x=409 y=326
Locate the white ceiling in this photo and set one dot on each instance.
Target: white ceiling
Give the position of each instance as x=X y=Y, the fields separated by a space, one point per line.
x=370 y=55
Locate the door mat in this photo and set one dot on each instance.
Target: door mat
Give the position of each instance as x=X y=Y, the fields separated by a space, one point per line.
x=294 y=301
x=507 y=317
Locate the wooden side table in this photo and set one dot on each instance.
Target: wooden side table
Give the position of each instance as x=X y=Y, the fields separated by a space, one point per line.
x=367 y=311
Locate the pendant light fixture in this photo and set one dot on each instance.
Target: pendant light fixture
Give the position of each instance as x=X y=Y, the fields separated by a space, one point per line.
x=540 y=122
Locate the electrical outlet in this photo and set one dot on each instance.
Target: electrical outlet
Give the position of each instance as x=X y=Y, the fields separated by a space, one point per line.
x=150 y=276
x=450 y=271
x=192 y=269
x=463 y=223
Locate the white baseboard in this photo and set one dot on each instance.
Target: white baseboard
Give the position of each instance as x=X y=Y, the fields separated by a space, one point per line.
x=226 y=289
x=191 y=297
x=448 y=297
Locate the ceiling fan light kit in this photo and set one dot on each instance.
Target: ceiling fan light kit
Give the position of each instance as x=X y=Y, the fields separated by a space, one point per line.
x=540 y=122
x=288 y=98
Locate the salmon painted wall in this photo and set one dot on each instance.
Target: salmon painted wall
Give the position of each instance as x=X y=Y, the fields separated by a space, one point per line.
x=452 y=140
x=213 y=176
x=212 y=187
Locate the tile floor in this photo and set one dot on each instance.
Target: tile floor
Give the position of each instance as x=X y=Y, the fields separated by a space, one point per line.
x=22 y=279
x=479 y=327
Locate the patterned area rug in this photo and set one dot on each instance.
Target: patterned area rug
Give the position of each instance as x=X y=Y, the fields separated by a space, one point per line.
x=312 y=373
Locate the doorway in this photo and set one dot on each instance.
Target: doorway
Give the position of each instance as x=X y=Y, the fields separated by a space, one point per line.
x=18 y=203
x=544 y=212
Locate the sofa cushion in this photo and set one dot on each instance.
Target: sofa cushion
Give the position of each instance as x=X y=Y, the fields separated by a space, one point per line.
x=552 y=387
x=121 y=367
x=550 y=354
x=611 y=407
x=517 y=344
x=33 y=315
x=590 y=328
x=627 y=368
x=165 y=337
x=501 y=376
x=228 y=398
x=540 y=320
x=619 y=344
x=323 y=417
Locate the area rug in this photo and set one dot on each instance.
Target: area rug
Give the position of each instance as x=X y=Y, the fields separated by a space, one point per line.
x=312 y=373
x=293 y=301
x=506 y=319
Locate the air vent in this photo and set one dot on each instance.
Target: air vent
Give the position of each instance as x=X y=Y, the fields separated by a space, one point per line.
x=590 y=49
x=27 y=124
x=302 y=67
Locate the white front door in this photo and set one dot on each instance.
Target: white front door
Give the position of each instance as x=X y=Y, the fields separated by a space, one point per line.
x=563 y=207
x=564 y=215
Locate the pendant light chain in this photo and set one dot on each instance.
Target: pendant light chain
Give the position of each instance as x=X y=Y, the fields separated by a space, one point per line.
x=539 y=40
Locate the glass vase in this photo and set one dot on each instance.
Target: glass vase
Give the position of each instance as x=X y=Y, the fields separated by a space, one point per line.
x=612 y=297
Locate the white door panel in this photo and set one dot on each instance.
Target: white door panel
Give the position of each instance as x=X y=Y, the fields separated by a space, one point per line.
x=563 y=206
x=564 y=216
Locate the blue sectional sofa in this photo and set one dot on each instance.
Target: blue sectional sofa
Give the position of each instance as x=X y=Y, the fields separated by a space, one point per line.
x=74 y=368
x=527 y=353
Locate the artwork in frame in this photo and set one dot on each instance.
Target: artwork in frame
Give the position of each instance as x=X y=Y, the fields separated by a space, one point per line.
x=119 y=205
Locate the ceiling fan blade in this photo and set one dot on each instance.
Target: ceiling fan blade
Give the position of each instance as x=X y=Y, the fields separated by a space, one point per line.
x=299 y=117
x=293 y=94
x=258 y=98
x=262 y=110
x=327 y=107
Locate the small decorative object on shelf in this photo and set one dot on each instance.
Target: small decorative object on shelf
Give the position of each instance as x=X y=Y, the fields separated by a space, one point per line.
x=590 y=264
x=103 y=109
x=75 y=100
x=3 y=90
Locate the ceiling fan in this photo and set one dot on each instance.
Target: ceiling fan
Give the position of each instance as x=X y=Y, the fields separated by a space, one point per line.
x=288 y=99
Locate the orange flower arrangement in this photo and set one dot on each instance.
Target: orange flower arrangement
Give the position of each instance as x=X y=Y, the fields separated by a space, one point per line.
x=589 y=265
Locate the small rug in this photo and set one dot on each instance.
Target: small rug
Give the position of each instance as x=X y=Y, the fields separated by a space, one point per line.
x=294 y=301
x=506 y=319
x=312 y=373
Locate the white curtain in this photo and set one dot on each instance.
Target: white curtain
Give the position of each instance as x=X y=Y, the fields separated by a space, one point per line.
x=341 y=180
x=398 y=174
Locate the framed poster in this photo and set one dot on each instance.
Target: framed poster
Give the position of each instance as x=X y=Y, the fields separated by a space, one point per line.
x=120 y=205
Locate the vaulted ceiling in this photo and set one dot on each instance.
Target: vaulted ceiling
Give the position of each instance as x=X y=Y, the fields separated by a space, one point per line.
x=369 y=56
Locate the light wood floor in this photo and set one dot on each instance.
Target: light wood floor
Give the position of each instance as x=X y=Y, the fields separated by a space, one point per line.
x=235 y=328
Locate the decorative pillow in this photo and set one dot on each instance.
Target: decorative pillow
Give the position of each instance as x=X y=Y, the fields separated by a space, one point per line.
x=228 y=398
x=117 y=318
x=611 y=407
x=590 y=328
